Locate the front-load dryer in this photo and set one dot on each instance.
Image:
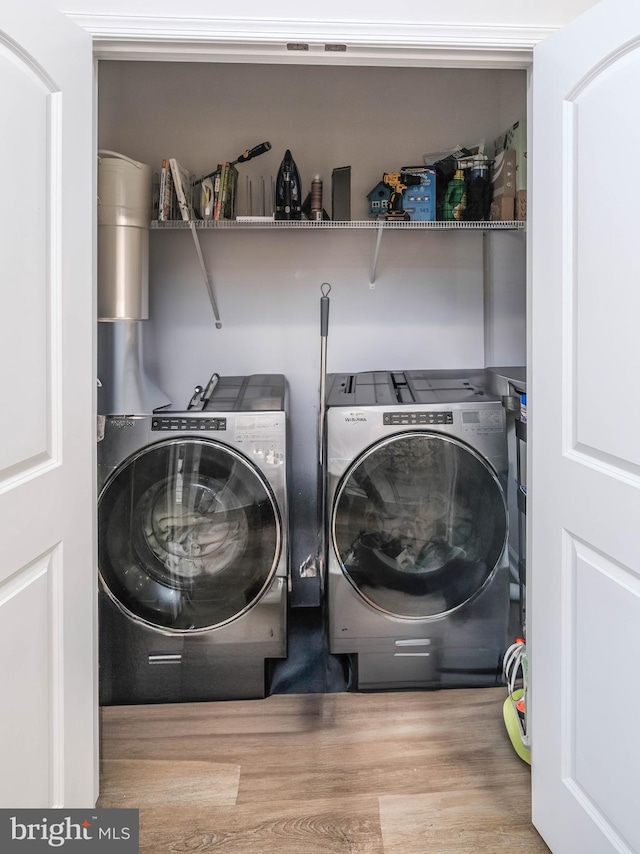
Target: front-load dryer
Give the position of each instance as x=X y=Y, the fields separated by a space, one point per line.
x=418 y=586
x=192 y=546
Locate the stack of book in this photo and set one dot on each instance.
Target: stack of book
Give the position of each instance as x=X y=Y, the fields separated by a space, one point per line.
x=176 y=192
x=211 y=197
x=217 y=193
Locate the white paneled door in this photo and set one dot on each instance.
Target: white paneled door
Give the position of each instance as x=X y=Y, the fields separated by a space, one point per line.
x=48 y=711
x=584 y=489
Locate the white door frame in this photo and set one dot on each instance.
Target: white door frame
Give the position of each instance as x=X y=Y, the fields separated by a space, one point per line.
x=147 y=38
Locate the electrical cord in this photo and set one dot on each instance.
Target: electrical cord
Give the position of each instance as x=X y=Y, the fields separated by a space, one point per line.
x=515 y=669
x=511 y=664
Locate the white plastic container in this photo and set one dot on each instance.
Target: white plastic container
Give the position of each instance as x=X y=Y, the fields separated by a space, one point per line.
x=124 y=215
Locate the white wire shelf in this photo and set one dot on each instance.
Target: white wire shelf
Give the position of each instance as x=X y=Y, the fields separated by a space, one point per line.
x=380 y=225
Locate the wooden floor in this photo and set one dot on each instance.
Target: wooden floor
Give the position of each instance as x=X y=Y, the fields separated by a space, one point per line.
x=429 y=772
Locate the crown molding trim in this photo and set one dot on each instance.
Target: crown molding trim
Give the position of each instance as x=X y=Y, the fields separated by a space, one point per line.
x=327 y=42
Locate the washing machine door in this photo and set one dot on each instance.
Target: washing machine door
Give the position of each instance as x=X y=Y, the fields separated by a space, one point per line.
x=419 y=524
x=189 y=535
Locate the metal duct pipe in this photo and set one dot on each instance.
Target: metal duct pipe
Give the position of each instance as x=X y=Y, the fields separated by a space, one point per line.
x=125 y=387
x=124 y=215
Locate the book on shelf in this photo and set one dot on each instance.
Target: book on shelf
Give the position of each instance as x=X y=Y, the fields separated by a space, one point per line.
x=226 y=192
x=182 y=184
x=216 y=187
x=203 y=198
x=222 y=190
x=230 y=199
x=166 y=192
x=163 y=181
x=205 y=192
x=155 y=195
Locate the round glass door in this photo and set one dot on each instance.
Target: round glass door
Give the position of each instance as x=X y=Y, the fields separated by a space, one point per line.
x=189 y=535
x=419 y=524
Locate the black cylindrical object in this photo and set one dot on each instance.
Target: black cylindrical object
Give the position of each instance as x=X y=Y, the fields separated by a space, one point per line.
x=288 y=198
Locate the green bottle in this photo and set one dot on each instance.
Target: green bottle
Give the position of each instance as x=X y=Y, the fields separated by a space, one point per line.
x=455 y=200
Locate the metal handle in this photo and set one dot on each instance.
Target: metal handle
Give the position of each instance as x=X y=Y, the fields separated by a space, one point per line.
x=325 y=288
x=206 y=394
x=196 y=398
x=120 y=157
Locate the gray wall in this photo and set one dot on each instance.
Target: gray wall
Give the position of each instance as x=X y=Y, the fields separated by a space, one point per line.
x=429 y=307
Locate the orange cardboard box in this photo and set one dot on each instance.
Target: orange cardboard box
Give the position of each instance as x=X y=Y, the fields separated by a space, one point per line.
x=502 y=208
x=521 y=205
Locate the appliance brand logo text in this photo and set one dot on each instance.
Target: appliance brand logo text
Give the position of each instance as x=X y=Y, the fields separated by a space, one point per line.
x=122 y=422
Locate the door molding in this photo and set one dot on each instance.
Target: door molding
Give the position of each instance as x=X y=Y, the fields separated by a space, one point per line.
x=327 y=42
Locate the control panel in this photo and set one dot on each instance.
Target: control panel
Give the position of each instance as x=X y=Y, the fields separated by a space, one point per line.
x=482 y=421
x=393 y=418
x=167 y=423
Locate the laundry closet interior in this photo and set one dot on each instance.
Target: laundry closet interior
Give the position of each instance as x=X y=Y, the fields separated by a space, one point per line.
x=419 y=300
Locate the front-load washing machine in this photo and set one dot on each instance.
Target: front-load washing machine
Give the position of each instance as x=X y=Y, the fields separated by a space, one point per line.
x=417 y=572
x=192 y=546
